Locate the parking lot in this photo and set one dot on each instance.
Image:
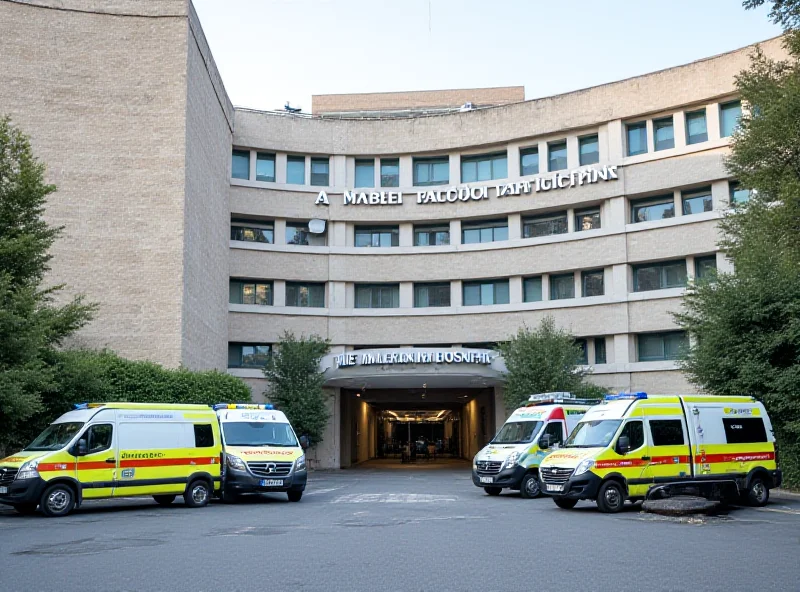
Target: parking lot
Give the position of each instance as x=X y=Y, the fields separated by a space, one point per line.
x=398 y=528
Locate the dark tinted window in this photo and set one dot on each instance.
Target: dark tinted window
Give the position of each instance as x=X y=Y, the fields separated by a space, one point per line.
x=635 y=432
x=99 y=437
x=666 y=432
x=555 y=431
x=203 y=435
x=744 y=430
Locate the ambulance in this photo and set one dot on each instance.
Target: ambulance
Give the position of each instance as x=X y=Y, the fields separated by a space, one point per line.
x=261 y=452
x=109 y=450
x=634 y=446
x=511 y=460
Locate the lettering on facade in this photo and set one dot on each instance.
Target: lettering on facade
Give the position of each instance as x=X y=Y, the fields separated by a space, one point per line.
x=559 y=180
x=447 y=357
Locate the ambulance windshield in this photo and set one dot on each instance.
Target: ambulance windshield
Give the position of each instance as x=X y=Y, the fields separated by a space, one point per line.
x=56 y=436
x=258 y=433
x=593 y=434
x=517 y=432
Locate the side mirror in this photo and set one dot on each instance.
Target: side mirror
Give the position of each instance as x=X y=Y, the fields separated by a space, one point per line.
x=304 y=443
x=545 y=441
x=623 y=445
x=82 y=448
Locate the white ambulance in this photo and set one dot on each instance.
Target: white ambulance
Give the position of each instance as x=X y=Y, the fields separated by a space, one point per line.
x=261 y=452
x=511 y=460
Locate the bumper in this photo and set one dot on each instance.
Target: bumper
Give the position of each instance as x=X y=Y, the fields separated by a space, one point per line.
x=243 y=482
x=507 y=478
x=582 y=487
x=777 y=478
x=24 y=491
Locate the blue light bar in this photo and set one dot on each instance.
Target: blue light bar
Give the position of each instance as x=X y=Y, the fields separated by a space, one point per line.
x=80 y=405
x=219 y=406
x=626 y=396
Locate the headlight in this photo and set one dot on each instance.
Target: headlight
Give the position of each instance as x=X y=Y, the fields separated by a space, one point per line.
x=511 y=460
x=475 y=463
x=235 y=462
x=28 y=470
x=583 y=466
x=300 y=463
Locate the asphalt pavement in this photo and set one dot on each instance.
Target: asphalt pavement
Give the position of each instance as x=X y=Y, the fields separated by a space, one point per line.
x=397 y=528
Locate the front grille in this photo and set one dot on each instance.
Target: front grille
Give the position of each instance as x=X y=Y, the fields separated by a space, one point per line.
x=555 y=475
x=7 y=476
x=489 y=467
x=261 y=469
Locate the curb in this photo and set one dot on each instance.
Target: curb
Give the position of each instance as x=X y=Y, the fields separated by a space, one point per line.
x=785 y=494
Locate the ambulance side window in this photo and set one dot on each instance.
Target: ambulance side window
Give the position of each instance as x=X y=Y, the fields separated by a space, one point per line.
x=635 y=432
x=203 y=436
x=556 y=433
x=98 y=437
x=744 y=430
x=666 y=432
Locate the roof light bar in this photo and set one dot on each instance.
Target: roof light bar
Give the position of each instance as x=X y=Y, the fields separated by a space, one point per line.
x=626 y=396
x=219 y=406
x=561 y=397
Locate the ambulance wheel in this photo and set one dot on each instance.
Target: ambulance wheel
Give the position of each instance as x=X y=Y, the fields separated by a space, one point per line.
x=294 y=495
x=565 y=503
x=197 y=494
x=610 y=498
x=26 y=509
x=757 y=493
x=164 y=500
x=57 y=500
x=493 y=490
x=529 y=488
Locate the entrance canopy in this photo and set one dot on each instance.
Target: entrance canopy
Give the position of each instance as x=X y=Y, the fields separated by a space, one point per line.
x=414 y=367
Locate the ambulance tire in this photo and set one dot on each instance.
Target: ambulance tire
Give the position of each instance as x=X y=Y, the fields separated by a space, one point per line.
x=164 y=500
x=294 y=495
x=197 y=494
x=610 y=498
x=529 y=488
x=565 y=503
x=57 y=500
x=25 y=509
x=493 y=490
x=757 y=493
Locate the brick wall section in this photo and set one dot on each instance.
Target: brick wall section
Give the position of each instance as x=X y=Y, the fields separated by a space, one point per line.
x=426 y=99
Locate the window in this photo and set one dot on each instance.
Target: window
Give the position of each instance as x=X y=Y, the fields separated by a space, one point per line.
x=664 y=133
x=382 y=236
x=484 y=232
x=265 y=167
x=562 y=286
x=484 y=167
x=529 y=161
x=390 y=172
x=256 y=232
x=428 y=295
x=428 y=236
x=744 y=430
x=532 y=289
x=297 y=233
x=555 y=431
x=654 y=208
x=589 y=150
x=637 y=138
x=203 y=435
x=634 y=430
x=544 y=225
x=583 y=344
x=659 y=276
x=431 y=171
x=296 y=170
x=729 y=115
x=592 y=283
x=705 y=268
x=557 y=156
x=320 y=168
x=377 y=296
x=587 y=219
x=248 y=355
x=662 y=346
x=667 y=432
x=738 y=195
x=365 y=173
x=696 y=201
x=250 y=292
x=599 y=350
x=696 y=130
x=305 y=295
x=486 y=292
x=98 y=437
x=240 y=164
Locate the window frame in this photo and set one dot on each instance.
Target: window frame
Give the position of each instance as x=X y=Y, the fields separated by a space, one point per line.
x=663 y=336
x=302 y=227
x=494 y=224
x=395 y=295
x=550 y=158
x=525 y=292
x=241 y=345
x=543 y=219
x=253 y=225
x=723 y=107
x=531 y=150
x=590 y=273
x=394 y=231
x=492 y=158
x=295 y=302
x=655 y=200
x=480 y=285
x=597 y=341
x=87 y=435
x=593 y=159
x=268 y=284
x=554 y=279
x=733 y=188
x=659 y=123
x=320 y=160
x=241 y=154
x=389 y=162
x=692 y=194
x=268 y=157
x=698 y=265
x=677 y=424
x=430 y=162
x=363 y=162
x=636 y=126
x=698 y=138
x=431 y=229
x=432 y=285
x=587 y=212
x=295 y=159
x=661 y=266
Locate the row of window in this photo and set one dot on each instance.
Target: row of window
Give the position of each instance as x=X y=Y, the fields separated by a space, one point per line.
x=646 y=277
x=650 y=347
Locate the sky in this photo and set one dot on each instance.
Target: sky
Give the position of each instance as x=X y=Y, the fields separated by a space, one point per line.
x=273 y=51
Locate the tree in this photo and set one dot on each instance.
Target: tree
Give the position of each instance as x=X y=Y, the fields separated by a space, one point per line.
x=296 y=383
x=31 y=323
x=785 y=13
x=542 y=360
x=746 y=324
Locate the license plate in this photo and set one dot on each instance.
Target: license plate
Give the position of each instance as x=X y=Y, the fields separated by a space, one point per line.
x=549 y=487
x=271 y=483
x=3 y=489
x=487 y=479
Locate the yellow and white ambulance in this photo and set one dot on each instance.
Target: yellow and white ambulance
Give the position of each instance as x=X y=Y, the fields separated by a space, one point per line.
x=261 y=452
x=511 y=460
x=634 y=446
x=108 y=450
